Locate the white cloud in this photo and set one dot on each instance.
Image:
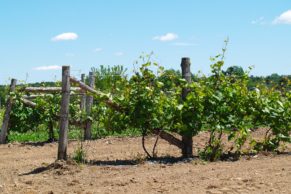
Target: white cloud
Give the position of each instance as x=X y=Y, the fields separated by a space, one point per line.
x=98 y=50
x=260 y=21
x=284 y=18
x=166 y=37
x=47 y=68
x=119 y=54
x=183 y=44
x=65 y=36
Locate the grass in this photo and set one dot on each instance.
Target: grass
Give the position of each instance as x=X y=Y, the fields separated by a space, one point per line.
x=41 y=134
x=30 y=136
x=37 y=136
x=74 y=134
x=79 y=154
x=100 y=133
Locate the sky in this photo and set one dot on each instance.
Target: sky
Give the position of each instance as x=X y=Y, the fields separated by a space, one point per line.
x=38 y=37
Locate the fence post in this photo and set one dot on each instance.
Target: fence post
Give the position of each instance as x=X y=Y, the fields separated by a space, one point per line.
x=4 y=129
x=83 y=95
x=89 y=103
x=187 y=140
x=51 y=131
x=64 y=114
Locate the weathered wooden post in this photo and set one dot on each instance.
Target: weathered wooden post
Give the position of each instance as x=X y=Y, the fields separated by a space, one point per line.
x=64 y=114
x=89 y=103
x=83 y=95
x=51 y=131
x=187 y=150
x=4 y=129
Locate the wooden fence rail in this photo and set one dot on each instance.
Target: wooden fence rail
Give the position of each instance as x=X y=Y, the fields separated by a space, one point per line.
x=28 y=103
x=89 y=89
x=49 y=89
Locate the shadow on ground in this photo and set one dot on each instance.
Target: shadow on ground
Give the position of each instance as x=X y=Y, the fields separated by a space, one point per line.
x=133 y=162
x=38 y=144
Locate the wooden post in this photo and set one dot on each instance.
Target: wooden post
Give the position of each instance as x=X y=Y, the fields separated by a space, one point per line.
x=51 y=131
x=187 y=150
x=83 y=96
x=64 y=114
x=4 y=129
x=89 y=103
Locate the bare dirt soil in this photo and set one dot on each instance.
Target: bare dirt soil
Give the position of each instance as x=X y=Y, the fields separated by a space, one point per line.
x=117 y=166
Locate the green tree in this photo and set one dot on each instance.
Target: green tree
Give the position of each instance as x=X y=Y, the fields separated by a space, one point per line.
x=234 y=71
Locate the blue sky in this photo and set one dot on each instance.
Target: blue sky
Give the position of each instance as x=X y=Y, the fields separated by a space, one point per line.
x=36 y=37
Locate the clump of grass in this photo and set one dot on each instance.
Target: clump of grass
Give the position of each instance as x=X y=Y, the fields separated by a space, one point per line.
x=139 y=159
x=79 y=154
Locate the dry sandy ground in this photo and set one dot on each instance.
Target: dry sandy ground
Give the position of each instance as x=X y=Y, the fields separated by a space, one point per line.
x=31 y=169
